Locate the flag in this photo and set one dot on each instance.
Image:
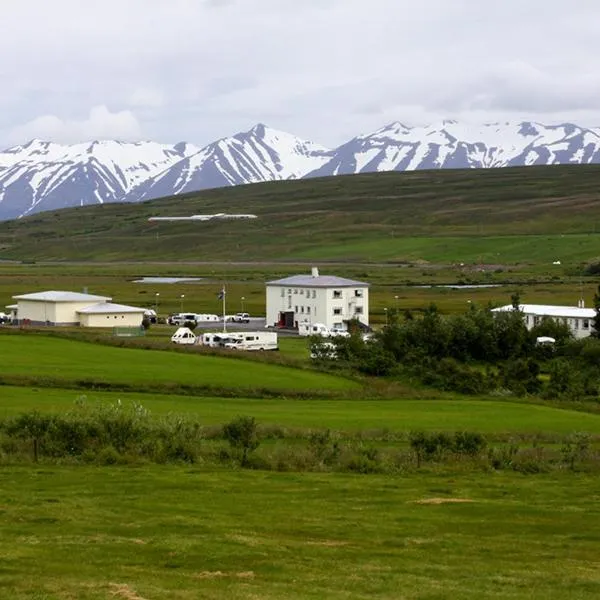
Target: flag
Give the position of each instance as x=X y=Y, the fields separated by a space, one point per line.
x=221 y=294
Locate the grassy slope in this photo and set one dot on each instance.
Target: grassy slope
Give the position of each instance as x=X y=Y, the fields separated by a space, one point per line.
x=72 y=361
x=184 y=534
x=487 y=416
x=390 y=216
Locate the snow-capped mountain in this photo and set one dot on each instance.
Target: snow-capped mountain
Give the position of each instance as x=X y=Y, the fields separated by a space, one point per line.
x=449 y=144
x=261 y=154
x=44 y=176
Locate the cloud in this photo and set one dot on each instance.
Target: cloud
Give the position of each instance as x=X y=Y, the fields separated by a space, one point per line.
x=146 y=98
x=324 y=69
x=100 y=124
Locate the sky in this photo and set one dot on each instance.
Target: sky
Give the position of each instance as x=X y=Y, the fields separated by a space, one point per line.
x=325 y=70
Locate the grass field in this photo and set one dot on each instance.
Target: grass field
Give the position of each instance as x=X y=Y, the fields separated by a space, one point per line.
x=452 y=414
x=172 y=533
x=38 y=357
x=370 y=217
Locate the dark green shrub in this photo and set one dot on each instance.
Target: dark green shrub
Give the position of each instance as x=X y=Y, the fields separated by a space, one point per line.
x=242 y=434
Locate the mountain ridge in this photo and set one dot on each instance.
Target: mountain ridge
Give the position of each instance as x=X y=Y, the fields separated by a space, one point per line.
x=42 y=175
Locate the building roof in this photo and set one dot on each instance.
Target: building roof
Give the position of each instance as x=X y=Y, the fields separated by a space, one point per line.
x=548 y=310
x=105 y=308
x=322 y=281
x=59 y=296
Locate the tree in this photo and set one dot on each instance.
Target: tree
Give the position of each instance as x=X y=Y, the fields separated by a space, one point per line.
x=596 y=320
x=242 y=434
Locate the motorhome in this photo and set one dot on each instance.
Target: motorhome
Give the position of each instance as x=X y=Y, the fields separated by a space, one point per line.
x=252 y=340
x=214 y=339
x=306 y=329
x=183 y=335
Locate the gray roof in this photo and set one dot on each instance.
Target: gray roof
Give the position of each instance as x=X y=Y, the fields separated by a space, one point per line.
x=104 y=308
x=59 y=296
x=324 y=281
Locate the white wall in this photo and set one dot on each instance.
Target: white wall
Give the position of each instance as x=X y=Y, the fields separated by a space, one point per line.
x=316 y=305
x=577 y=325
x=112 y=320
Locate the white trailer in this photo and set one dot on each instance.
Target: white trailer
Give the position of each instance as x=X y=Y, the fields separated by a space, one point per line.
x=206 y=318
x=306 y=329
x=183 y=335
x=252 y=340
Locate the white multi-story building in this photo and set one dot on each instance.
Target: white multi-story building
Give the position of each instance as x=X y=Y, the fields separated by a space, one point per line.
x=315 y=298
x=578 y=319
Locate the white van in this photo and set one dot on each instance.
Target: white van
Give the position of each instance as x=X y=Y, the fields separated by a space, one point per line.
x=182 y=319
x=183 y=335
x=252 y=340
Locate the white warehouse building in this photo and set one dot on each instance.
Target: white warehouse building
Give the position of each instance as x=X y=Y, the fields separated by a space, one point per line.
x=578 y=319
x=316 y=298
x=72 y=308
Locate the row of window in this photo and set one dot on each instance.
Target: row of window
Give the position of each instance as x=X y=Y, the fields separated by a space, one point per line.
x=585 y=323
x=313 y=293
x=358 y=310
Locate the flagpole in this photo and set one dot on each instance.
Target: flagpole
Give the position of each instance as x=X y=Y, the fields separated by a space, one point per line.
x=223 y=293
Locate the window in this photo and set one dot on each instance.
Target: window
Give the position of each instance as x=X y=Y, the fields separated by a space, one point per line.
x=296 y=291
x=289 y=302
x=308 y=310
x=586 y=324
x=302 y=292
x=296 y=309
x=337 y=293
x=337 y=311
x=314 y=294
x=358 y=310
x=282 y=292
x=289 y=291
x=358 y=293
x=302 y=309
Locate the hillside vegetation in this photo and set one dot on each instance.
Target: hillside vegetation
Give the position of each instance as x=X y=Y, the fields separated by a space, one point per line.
x=517 y=214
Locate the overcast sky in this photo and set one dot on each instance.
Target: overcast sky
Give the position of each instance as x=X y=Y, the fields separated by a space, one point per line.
x=326 y=70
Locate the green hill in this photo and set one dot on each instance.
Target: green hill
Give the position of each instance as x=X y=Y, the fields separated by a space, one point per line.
x=504 y=215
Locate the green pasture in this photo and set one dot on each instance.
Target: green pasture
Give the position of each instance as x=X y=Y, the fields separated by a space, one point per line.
x=37 y=357
x=500 y=250
x=487 y=416
x=161 y=533
x=498 y=215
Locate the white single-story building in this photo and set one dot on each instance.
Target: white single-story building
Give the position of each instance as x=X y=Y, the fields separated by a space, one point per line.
x=577 y=318
x=316 y=298
x=73 y=308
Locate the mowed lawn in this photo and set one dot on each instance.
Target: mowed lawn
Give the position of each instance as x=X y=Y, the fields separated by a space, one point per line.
x=39 y=356
x=164 y=533
x=486 y=416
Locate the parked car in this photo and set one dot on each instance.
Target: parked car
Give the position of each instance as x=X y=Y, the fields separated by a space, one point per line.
x=241 y=317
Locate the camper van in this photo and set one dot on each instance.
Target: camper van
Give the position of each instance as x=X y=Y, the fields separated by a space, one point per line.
x=252 y=340
x=321 y=329
x=183 y=335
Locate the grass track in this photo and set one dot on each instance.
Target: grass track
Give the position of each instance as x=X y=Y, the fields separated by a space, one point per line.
x=182 y=534
x=69 y=360
x=487 y=416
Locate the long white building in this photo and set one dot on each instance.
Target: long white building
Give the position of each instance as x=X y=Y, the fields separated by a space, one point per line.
x=316 y=298
x=578 y=319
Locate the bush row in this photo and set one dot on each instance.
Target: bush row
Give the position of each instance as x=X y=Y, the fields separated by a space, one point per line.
x=114 y=434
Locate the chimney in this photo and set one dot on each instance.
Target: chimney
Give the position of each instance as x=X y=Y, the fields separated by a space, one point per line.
x=581 y=303
x=315 y=272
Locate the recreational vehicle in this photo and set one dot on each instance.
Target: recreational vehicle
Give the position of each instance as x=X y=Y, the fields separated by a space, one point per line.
x=252 y=340
x=321 y=329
